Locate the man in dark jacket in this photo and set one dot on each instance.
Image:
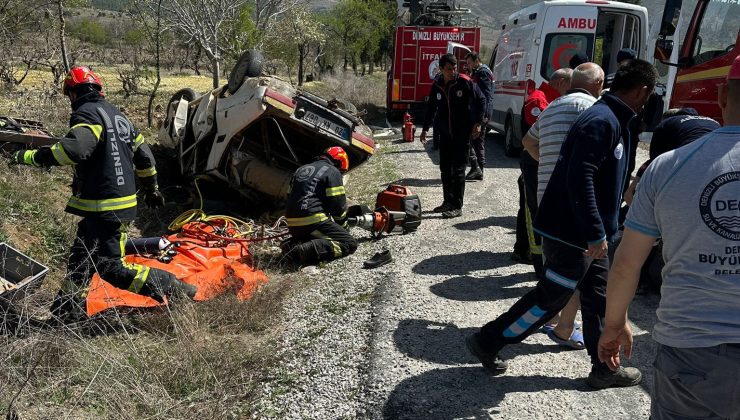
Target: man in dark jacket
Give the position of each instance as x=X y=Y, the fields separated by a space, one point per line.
x=482 y=76
x=108 y=154
x=316 y=211
x=577 y=217
x=456 y=107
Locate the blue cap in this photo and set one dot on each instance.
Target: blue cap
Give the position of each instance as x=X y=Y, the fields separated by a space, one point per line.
x=626 y=54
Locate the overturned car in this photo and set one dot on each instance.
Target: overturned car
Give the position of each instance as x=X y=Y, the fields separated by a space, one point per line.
x=254 y=132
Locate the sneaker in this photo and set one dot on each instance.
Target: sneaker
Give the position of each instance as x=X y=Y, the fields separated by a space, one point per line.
x=490 y=361
x=442 y=208
x=601 y=377
x=475 y=174
x=449 y=214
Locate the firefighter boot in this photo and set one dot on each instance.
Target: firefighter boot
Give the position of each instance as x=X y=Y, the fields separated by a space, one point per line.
x=475 y=174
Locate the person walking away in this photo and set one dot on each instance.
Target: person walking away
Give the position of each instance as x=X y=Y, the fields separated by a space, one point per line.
x=108 y=153
x=687 y=197
x=316 y=211
x=543 y=142
x=578 y=215
x=482 y=76
x=533 y=107
x=456 y=107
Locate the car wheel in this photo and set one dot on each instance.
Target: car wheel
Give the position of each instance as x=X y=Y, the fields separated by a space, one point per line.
x=510 y=149
x=187 y=94
x=248 y=65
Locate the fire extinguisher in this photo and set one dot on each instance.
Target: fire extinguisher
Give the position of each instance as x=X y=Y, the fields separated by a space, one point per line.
x=408 y=128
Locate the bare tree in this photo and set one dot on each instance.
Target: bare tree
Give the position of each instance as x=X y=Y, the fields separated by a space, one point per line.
x=265 y=11
x=148 y=11
x=201 y=21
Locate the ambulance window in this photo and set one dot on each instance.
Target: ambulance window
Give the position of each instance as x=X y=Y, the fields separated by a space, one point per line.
x=631 y=33
x=559 y=48
x=718 y=30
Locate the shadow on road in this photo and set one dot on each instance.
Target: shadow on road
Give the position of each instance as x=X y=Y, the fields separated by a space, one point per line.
x=442 y=343
x=461 y=264
x=463 y=392
x=416 y=182
x=489 y=288
x=503 y=221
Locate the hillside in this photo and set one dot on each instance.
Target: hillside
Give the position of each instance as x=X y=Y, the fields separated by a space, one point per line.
x=491 y=13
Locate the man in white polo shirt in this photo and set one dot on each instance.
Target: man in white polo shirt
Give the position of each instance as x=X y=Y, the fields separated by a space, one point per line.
x=691 y=198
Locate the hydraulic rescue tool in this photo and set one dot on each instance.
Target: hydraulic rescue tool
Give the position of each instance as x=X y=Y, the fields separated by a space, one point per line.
x=397 y=209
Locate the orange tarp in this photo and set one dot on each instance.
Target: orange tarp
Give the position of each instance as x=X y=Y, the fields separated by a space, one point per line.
x=214 y=270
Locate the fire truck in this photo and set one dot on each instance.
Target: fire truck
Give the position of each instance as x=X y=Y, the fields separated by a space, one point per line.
x=709 y=40
x=431 y=30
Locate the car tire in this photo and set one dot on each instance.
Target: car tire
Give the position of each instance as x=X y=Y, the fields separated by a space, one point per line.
x=510 y=149
x=248 y=65
x=187 y=94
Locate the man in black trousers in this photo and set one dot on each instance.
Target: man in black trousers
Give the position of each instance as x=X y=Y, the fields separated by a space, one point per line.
x=457 y=108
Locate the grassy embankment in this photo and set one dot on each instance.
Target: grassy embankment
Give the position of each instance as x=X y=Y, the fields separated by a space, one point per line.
x=197 y=361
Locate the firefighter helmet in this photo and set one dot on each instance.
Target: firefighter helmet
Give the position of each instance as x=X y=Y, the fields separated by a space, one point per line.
x=339 y=156
x=81 y=75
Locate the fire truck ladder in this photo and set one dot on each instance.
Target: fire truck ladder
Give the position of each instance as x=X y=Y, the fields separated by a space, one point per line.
x=414 y=74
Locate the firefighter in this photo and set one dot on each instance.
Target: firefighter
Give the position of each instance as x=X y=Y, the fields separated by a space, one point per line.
x=316 y=211
x=456 y=107
x=482 y=76
x=107 y=154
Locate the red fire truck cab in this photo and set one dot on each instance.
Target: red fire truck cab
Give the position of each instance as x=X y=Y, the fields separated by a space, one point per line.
x=705 y=53
x=416 y=60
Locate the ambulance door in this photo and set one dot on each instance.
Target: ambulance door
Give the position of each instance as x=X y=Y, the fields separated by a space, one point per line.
x=567 y=31
x=617 y=29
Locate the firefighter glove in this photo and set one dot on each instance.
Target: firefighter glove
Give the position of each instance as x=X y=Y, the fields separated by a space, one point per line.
x=22 y=157
x=153 y=198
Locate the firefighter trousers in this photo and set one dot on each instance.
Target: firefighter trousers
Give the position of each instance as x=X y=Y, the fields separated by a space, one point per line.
x=323 y=241
x=529 y=184
x=99 y=247
x=566 y=269
x=453 y=160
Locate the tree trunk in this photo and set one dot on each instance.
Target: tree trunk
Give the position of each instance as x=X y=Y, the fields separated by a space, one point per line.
x=216 y=72
x=62 y=41
x=301 y=59
x=158 y=43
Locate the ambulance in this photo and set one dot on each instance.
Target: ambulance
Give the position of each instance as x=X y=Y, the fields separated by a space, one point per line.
x=542 y=38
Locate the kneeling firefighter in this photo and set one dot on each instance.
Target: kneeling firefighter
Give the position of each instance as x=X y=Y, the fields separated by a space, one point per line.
x=316 y=211
x=107 y=153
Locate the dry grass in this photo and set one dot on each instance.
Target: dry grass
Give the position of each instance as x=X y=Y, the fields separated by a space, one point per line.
x=196 y=361
x=366 y=93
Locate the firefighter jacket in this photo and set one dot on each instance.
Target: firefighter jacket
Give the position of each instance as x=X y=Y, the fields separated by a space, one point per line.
x=316 y=193
x=107 y=153
x=455 y=107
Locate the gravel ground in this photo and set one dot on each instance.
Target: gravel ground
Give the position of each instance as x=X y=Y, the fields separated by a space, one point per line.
x=388 y=343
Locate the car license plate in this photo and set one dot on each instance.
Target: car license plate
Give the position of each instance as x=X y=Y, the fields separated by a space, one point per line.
x=325 y=124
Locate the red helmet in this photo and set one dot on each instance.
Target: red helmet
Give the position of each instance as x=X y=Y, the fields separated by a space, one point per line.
x=339 y=156
x=81 y=75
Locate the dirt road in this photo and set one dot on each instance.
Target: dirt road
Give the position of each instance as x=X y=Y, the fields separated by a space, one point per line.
x=401 y=353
